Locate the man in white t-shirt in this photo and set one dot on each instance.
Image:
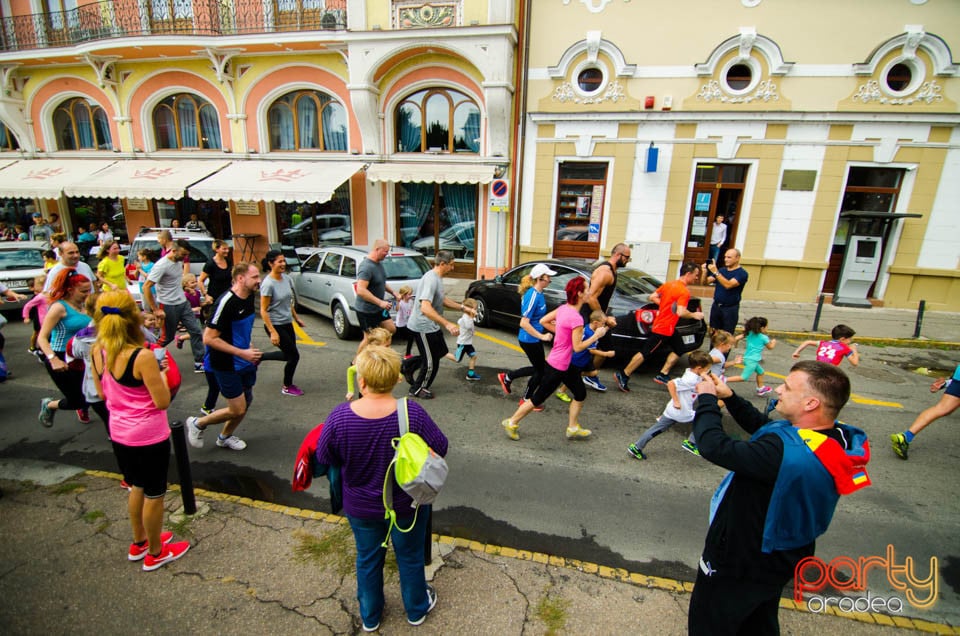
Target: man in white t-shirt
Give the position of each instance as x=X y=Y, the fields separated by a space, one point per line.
x=174 y=308
x=70 y=257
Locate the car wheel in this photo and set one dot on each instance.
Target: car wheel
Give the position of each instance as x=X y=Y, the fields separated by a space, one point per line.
x=341 y=324
x=482 y=318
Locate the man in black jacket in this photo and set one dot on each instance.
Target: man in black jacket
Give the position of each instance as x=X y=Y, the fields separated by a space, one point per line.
x=780 y=496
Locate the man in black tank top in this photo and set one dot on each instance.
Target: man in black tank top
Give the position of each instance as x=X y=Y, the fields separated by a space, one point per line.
x=603 y=282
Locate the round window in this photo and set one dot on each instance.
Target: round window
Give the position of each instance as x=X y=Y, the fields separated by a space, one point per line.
x=898 y=77
x=590 y=80
x=738 y=77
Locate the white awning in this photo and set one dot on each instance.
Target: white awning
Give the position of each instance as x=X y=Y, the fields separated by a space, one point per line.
x=278 y=181
x=7 y=162
x=46 y=178
x=145 y=179
x=430 y=172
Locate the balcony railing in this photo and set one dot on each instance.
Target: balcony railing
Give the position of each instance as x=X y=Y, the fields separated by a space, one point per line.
x=137 y=18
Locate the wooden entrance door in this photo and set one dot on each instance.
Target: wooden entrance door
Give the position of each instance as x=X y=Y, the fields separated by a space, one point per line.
x=718 y=190
x=581 y=188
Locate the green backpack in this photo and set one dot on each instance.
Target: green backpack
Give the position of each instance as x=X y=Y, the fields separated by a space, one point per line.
x=415 y=467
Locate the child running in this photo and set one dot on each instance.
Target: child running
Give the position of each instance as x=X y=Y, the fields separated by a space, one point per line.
x=35 y=309
x=404 y=309
x=834 y=351
x=757 y=340
x=378 y=337
x=722 y=342
x=196 y=299
x=465 y=339
x=680 y=406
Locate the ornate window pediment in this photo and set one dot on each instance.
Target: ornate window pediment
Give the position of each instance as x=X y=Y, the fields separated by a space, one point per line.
x=899 y=76
x=590 y=69
x=741 y=70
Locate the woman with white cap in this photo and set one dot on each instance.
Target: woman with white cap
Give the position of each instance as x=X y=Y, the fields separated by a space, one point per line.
x=532 y=334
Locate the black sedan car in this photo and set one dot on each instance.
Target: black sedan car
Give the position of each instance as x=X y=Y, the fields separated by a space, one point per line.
x=498 y=303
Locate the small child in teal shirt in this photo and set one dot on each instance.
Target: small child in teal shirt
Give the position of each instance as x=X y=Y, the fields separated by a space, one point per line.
x=757 y=341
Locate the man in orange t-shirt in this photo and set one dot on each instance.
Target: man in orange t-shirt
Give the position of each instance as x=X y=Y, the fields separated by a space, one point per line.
x=673 y=298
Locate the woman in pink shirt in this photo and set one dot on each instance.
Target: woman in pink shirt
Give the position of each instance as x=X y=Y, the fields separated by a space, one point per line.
x=567 y=325
x=135 y=387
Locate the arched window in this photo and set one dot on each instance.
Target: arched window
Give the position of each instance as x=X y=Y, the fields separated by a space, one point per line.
x=186 y=121
x=81 y=124
x=293 y=121
x=8 y=141
x=438 y=120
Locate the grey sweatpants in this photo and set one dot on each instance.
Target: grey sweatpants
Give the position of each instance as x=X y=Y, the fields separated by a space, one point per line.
x=663 y=423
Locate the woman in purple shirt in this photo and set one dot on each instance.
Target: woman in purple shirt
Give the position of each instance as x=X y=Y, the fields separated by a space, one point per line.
x=357 y=438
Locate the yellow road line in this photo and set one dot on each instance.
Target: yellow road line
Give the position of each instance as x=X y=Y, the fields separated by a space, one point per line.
x=304 y=339
x=859 y=399
x=502 y=343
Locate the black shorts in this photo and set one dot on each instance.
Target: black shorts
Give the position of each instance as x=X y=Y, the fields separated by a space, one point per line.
x=657 y=342
x=371 y=319
x=145 y=466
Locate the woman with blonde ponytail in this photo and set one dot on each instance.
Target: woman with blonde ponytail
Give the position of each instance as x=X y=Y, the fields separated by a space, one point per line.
x=134 y=385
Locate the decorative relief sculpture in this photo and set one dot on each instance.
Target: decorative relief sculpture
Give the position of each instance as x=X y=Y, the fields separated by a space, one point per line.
x=565 y=93
x=420 y=16
x=928 y=93
x=712 y=91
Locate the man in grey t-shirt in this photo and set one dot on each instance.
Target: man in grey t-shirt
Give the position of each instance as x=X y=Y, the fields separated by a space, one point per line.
x=174 y=308
x=372 y=309
x=425 y=323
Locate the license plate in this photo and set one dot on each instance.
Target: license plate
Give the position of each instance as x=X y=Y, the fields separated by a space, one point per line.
x=16 y=284
x=689 y=339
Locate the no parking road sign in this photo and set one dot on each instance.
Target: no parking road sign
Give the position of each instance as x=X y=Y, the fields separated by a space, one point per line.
x=499 y=195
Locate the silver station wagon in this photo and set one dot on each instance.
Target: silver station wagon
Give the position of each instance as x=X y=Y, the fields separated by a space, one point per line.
x=327 y=281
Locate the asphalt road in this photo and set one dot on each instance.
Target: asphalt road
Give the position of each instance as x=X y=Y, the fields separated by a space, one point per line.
x=579 y=499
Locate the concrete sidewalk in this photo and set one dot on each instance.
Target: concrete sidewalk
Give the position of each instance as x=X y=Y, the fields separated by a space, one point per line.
x=259 y=568
x=877 y=325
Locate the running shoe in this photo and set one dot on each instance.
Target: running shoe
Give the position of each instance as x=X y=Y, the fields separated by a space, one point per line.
x=46 y=413
x=900 y=445
x=232 y=442
x=504 y=383
x=473 y=375
x=198 y=367
x=511 y=429
x=170 y=552
x=432 y=597
x=564 y=397
x=138 y=552
x=764 y=390
x=594 y=383
x=194 y=432
x=661 y=378
x=83 y=415
x=207 y=411
x=578 y=432
x=690 y=447
x=635 y=452
x=292 y=389
x=622 y=380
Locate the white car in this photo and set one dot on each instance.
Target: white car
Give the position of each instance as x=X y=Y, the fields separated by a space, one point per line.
x=201 y=250
x=327 y=281
x=20 y=263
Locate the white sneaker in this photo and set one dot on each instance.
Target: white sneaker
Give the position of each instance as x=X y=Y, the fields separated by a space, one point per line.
x=233 y=443
x=194 y=432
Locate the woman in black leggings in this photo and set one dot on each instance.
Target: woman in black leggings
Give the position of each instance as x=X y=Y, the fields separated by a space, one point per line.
x=278 y=313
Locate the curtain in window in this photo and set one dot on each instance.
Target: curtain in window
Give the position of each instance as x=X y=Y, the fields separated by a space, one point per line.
x=63 y=126
x=187 y=118
x=471 y=128
x=164 y=128
x=408 y=128
x=102 y=129
x=81 y=116
x=210 y=127
x=281 y=128
x=416 y=205
x=307 y=123
x=461 y=202
x=334 y=127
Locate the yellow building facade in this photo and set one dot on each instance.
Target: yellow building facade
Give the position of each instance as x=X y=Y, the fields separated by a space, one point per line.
x=825 y=134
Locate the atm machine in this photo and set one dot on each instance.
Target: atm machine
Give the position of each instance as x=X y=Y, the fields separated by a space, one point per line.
x=861 y=260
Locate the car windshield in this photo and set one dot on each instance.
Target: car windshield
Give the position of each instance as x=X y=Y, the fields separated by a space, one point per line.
x=21 y=259
x=636 y=284
x=405 y=267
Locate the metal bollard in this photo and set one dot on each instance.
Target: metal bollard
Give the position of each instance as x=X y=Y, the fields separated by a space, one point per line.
x=177 y=436
x=920 y=309
x=816 y=316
